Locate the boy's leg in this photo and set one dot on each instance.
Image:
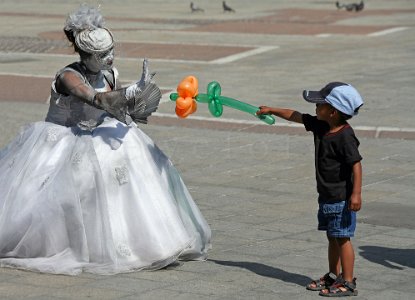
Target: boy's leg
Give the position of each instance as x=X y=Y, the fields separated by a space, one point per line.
x=334 y=256
x=346 y=258
x=341 y=254
x=340 y=228
x=346 y=284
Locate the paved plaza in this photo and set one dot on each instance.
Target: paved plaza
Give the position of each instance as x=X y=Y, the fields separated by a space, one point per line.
x=254 y=183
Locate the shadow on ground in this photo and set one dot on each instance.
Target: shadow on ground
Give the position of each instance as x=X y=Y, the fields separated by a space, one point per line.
x=389 y=257
x=266 y=271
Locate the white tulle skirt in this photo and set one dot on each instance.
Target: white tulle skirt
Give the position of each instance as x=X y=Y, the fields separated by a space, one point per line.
x=105 y=202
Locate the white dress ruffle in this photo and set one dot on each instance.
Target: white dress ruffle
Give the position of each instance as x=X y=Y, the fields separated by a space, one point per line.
x=103 y=201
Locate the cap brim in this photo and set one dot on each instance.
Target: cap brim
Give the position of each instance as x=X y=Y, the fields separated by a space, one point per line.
x=313 y=97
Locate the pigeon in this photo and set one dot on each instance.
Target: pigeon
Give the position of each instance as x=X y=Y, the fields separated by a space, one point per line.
x=227 y=8
x=146 y=102
x=360 y=6
x=352 y=6
x=194 y=8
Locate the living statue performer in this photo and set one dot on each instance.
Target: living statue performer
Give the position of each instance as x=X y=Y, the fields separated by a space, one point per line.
x=87 y=190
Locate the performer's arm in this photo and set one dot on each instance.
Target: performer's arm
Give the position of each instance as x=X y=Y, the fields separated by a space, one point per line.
x=114 y=102
x=70 y=83
x=140 y=99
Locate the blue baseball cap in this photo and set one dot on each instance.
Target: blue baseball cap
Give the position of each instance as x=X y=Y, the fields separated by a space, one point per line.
x=341 y=96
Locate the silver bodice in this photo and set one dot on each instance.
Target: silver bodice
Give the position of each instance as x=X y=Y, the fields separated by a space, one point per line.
x=68 y=110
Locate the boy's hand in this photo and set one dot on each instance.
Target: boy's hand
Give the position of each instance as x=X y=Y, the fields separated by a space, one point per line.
x=355 y=202
x=263 y=110
x=287 y=114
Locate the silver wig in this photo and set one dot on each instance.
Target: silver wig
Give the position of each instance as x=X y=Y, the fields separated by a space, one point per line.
x=85 y=17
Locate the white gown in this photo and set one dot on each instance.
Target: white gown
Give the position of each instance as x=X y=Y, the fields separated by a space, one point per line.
x=105 y=200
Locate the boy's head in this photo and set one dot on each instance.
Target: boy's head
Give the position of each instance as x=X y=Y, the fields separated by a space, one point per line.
x=342 y=96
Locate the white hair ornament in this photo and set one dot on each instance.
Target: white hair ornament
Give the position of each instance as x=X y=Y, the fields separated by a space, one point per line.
x=87 y=27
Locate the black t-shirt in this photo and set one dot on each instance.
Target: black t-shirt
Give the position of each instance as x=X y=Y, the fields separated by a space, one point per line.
x=335 y=155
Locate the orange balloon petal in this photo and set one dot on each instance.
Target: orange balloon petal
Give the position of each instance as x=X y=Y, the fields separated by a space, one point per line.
x=188 y=87
x=180 y=112
x=193 y=80
x=184 y=103
x=183 y=113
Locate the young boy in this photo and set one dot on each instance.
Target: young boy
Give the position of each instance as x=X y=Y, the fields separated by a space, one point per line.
x=338 y=175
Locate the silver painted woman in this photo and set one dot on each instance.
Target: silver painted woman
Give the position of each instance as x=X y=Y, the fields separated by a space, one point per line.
x=87 y=190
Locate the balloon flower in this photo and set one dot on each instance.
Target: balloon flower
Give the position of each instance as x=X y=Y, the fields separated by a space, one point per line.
x=187 y=90
x=187 y=95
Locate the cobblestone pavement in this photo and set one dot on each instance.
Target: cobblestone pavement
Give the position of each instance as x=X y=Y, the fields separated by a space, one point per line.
x=254 y=183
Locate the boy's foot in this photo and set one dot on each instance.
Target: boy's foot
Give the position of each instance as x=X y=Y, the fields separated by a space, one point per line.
x=323 y=283
x=340 y=288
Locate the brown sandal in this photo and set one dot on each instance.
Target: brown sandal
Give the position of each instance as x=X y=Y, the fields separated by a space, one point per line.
x=323 y=283
x=340 y=288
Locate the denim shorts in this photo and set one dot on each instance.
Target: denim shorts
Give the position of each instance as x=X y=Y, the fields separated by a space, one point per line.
x=336 y=219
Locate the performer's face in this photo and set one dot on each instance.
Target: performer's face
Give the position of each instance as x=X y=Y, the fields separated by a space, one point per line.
x=100 y=61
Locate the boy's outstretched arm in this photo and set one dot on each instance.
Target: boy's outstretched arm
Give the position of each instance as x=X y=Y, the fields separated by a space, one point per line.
x=355 y=202
x=287 y=114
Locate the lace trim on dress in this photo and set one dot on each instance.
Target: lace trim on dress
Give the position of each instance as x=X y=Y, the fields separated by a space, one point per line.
x=121 y=173
x=52 y=134
x=77 y=158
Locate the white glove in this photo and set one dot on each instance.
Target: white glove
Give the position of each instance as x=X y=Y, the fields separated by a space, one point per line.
x=133 y=90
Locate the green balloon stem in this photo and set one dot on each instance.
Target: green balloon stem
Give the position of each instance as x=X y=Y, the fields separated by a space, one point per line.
x=236 y=104
x=248 y=108
x=215 y=102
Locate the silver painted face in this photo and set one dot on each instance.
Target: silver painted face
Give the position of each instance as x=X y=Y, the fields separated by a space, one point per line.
x=100 y=61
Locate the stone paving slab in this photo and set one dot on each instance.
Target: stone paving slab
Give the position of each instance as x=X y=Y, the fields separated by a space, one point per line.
x=36 y=89
x=254 y=183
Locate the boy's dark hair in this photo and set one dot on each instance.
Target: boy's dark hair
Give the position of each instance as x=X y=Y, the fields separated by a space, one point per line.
x=344 y=117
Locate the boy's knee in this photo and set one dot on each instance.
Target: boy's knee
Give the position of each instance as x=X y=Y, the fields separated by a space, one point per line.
x=342 y=240
x=332 y=240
